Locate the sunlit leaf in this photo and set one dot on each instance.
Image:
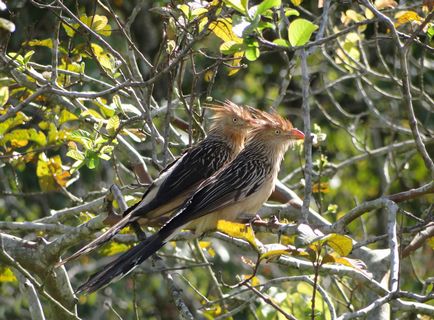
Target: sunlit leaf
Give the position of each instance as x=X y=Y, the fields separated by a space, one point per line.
x=322 y=187
x=4 y=96
x=265 y=5
x=113 y=125
x=237 y=230
x=404 y=17
x=300 y=31
x=66 y=116
x=236 y=63
x=296 y=2
x=41 y=43
x=8 y=124
x=252 y=53
x=239 y=5
x=341 y=244
x=6 y=275
x=21 y=137
x=50 y=173
x=222 y=28
x=75 y=154
x=281 y=42
x=352 y=263
x=113 y=248
x=106 y=60
x=97 y=23
x=92 y=113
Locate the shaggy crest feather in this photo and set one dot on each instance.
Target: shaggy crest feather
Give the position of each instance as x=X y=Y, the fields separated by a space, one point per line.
x=228 y=108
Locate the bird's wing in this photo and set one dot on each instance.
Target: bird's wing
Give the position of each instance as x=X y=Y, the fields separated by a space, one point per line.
x=232 y=184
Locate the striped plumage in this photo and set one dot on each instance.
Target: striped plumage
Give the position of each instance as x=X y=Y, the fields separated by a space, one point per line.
x=240 y=187
x=224 y=141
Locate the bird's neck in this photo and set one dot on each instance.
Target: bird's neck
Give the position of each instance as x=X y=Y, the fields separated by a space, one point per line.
x=234 y=139
x=271 y=151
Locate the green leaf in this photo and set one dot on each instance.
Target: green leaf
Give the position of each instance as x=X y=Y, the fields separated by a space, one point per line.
x=112 y=125
x=75 y=154
x=291 y=12
x=92 y=159
x=239 y=5
x=265 y=5
x=252 y=53
x=430 y=32
x=4 y=96
x=70 y=29
x=281 y=42
x=300 y=31
x=66 y=116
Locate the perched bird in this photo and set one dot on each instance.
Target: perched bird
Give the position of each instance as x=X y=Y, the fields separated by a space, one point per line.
x=225 y=139
x=239 y=188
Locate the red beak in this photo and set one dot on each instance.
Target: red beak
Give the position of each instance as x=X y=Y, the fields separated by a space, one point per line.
x=296 y=134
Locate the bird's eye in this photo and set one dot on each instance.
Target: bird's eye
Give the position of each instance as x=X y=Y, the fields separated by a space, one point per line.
x=277 y=132
x=234 y=120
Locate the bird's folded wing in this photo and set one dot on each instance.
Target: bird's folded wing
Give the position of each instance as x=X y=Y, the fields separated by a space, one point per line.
x=231 y=185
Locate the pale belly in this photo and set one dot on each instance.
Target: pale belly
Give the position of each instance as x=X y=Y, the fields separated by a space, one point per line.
x=241 y=210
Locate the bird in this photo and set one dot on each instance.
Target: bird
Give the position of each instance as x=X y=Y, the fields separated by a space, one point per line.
x=239 y=188
x=225 y=139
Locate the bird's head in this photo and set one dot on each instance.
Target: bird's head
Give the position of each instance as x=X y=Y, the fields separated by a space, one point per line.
x=231 y=117
x=275 y=129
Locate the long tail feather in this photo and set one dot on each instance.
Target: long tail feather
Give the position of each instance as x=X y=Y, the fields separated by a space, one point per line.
x=102 y=239
x=124 y=264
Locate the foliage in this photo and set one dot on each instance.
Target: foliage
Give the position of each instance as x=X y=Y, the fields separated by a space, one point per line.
x=110 y=92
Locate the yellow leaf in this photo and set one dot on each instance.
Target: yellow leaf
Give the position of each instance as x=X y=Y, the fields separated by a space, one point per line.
x=253 y=280
x=403 y=17
x=341 y=244
x=113 y=125
x=113 y=248
x=4 y=96
x=21 y=137
x=322 y=187
x=352 y=263
x=208 y=75
x=106 y=60
x=97 y=23
x=296 y=2
x=42 y=43
x=237 y=230
x=204 y=244
x=92 y=113
x=222 y=28
x=66 y=116
x=273 y=254
x=50 y=173
x=431 y=242
x=6 y=275
x=236 y=63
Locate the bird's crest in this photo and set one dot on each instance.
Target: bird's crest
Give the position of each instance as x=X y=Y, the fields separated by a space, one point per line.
x=273 y=120
x=228 y=108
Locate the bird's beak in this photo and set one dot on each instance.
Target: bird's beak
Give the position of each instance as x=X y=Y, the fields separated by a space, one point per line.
x=296 y=134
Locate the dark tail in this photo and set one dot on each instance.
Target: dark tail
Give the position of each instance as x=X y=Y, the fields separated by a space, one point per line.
x=102 y=239
x=124 y=264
